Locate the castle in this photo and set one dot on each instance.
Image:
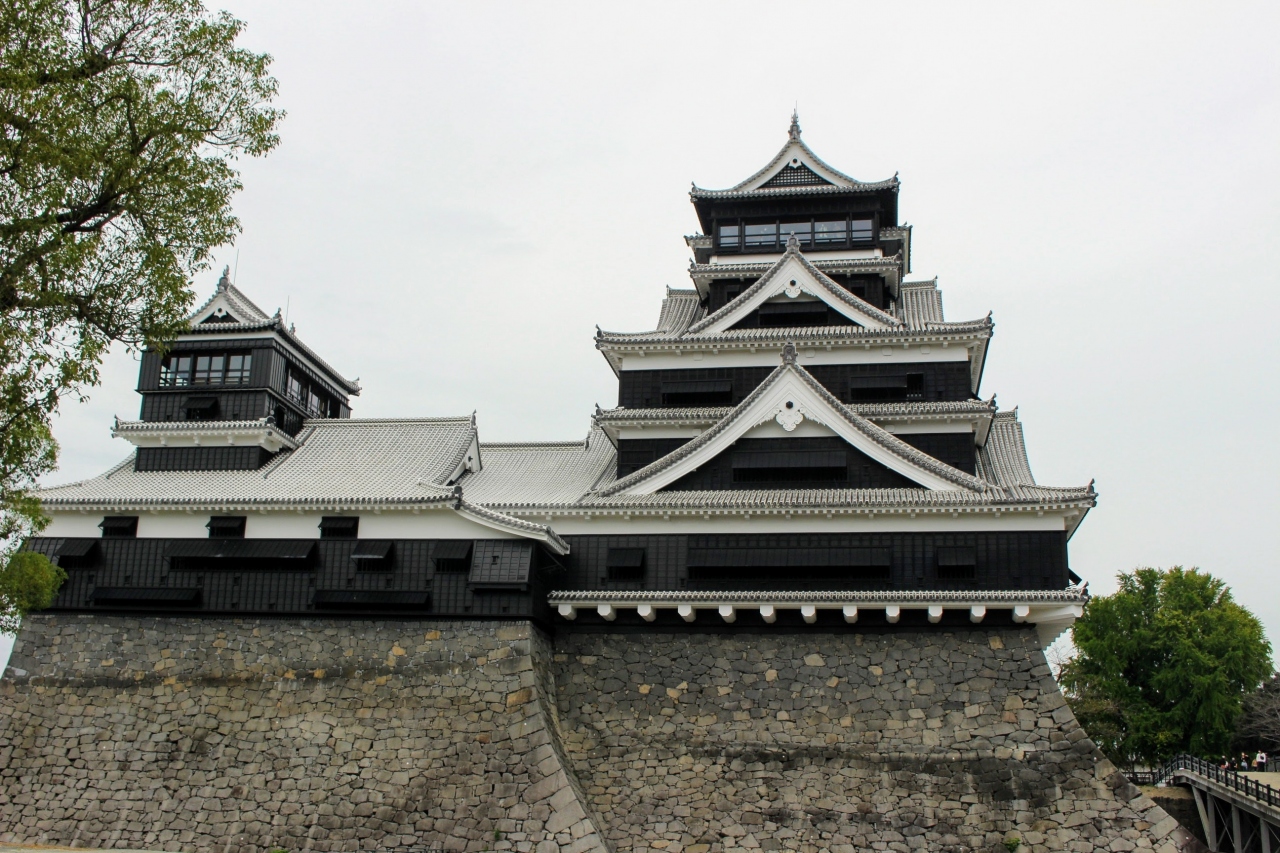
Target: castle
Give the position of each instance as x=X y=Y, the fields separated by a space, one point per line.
x=791 y=593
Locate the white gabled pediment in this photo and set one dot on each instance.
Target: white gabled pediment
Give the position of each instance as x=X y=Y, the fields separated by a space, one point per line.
x=793 y=277
x=228 y=305
x=799 y=158
x=790 y=398
x=796 y=155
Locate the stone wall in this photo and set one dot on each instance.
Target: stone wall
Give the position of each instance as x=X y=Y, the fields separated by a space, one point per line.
x=238 y=735
x=894 y=741
x=249 y=734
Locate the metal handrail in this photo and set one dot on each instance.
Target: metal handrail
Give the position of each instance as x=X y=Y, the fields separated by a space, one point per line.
x=1227 y=778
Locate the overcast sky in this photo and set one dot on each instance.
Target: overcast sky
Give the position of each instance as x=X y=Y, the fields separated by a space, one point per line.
x=464 y=190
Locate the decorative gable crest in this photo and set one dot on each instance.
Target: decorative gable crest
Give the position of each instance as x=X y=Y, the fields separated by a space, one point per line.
x=790 y=277
x=796 y=166
x=228 y=305
x=789 y=396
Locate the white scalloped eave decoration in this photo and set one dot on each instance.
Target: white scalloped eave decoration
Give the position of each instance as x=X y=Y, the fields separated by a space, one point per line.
x=792 y=289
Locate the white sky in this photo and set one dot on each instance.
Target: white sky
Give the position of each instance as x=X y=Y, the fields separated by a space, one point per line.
x=465 y=190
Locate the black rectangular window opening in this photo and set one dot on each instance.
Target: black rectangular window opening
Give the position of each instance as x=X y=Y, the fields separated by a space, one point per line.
x=779 y=315
x=226 y=527
x=880 y=389
x=453 y=555
x=220 y=555
x=119 y=527
x=957 y=563
x=339 y=527
x=201 y=408
x=146 y=597
x=790 y=466
x=851 y=564
x=625 y=564
x=712 y=392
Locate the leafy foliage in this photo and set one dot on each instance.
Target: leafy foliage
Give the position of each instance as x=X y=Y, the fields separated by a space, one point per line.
x=120 y=121
x=27 y=582
x=1259 y=723
x=1163 y=666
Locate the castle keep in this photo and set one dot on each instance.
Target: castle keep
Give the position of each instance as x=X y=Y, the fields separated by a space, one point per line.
x=791 y=593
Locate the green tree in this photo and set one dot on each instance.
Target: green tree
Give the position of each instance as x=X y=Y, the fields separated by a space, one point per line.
x=120 y=124
x=1163 y=665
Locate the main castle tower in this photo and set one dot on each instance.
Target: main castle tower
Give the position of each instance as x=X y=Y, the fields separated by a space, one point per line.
x=790 y=593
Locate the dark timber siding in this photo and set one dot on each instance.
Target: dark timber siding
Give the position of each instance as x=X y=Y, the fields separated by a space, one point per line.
x=635 y=453
x=1033 y=560
x=201 y=458
x=1030 y=560
x=142 y=563
x=861 y=471
x=238 y=405
x=265 y=395
x=945 y=380
x=954 y=448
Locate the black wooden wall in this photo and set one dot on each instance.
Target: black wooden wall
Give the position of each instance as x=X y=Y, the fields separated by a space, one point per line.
x=142 y=563
x=201 y=458
x=1012 y=560
x=943 y=381
x=861 y=471
x=954 y=448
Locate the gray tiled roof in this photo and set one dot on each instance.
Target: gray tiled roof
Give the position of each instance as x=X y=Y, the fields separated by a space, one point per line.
x=827 y=189
x=127 y=429
x=889 y=442
x=1003 y=459
x=920 y=304
x=538 y=474
x=801 y=335
x=249 y=312
x=357 y=462
x=801 y=500
x=787 y=153
x=508 y=522
x=836 y=265
x=867 y=410
x=680 y=310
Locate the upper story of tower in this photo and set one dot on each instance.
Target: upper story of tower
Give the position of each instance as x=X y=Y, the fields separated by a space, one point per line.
x=831 y=216
x=231 y=391
x=800 y=253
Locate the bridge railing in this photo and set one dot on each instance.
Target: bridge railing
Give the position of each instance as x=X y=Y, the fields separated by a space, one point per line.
x=1227 y=778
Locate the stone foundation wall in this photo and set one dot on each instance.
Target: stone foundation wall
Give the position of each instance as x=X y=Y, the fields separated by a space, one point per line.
x=898 y=741
x=239 y=735
x=246 y=735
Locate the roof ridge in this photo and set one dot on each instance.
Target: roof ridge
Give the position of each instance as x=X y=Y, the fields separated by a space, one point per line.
x=332 y=422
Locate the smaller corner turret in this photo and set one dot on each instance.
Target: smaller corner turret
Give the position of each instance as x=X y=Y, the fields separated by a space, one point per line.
x=231 y=391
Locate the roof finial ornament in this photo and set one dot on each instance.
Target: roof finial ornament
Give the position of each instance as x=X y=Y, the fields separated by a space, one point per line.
x=225 y=281
x=792 y=243
x=788 y=353
x=794 y=131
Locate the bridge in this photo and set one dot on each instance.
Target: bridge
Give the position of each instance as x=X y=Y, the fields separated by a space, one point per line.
x=1239 y=814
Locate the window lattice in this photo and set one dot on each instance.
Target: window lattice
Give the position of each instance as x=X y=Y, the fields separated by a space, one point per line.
x=795 y=176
